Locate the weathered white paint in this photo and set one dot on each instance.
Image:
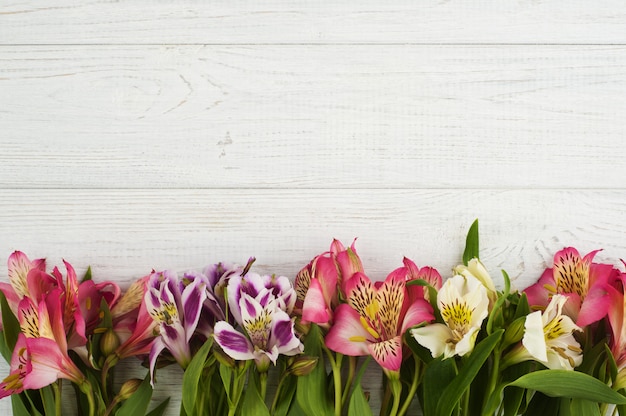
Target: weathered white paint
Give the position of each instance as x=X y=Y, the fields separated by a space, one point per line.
x=138 y=135
x=301 y=22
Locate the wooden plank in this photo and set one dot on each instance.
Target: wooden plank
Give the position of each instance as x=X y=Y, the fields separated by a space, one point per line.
x=299 y=22
x=316 y=117
x=124 y=234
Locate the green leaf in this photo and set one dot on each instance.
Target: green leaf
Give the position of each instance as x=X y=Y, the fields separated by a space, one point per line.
x=47 y=399
x=311 y=390
x=253 y=403
x=358 y=405
x=19 y=408
x=87 y=275
x=580 y=407
x=192 y=375
x=138 y=402
x=10 y=329
x=454 y=391
x=286 y=394
x=160 y=409
x=439 y=373
x=573 y=384
x=471 y=244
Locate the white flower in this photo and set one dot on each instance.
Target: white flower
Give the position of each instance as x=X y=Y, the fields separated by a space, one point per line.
x=463 y=304
x=548 y=337
x=476 y=269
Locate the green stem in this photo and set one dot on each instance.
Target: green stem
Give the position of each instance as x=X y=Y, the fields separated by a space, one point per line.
x=86 y=388
x=493 y=377
x=352 y=361
x=110 y=361
x=263 y=382
x=277 y=395
x=396 y=390
x=386 y=397
x=57 y=397
x=412 y=389
x=335 y=364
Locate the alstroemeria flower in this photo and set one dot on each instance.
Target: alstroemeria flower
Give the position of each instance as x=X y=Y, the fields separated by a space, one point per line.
x=175 y=306
x=585 y=284
x=548 y=338
x=19 y=284
x=476 y=269
x=40 y=356
x=374 y=319
x=259 y=304
x=317 y=284
x=617 y=320
x=426 y=273
x=463 y=303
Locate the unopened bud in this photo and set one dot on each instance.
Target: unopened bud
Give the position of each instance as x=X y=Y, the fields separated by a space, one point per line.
x=109 y=342
x=128 y=388
x=302 y=365
x=515 y=331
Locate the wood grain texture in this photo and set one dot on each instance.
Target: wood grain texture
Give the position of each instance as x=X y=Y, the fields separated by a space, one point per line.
x=124 y=234
x=150 y=134
x=357 y=116
x=300 y=22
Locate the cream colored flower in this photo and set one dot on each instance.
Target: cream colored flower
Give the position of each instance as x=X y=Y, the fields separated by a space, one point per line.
x=548 y=338
x=463 y=303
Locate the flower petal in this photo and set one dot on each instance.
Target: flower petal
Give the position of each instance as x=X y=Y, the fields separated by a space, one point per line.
x=347 y=335
x=433 y=337
x=388 y=354
x=314 y=307
x=234 y=343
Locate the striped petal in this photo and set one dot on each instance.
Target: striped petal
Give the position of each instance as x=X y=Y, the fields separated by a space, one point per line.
x=388 y=354
x=234 y=343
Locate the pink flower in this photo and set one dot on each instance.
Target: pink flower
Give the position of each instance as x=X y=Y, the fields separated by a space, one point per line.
x=317 y=284
x=373 y=320
x=40 y=356
x=585 y=284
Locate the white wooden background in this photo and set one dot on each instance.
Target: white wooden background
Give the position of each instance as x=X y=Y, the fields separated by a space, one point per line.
x=151 y=134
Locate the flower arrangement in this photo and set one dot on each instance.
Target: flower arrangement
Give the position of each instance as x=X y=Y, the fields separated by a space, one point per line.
x=458 y=346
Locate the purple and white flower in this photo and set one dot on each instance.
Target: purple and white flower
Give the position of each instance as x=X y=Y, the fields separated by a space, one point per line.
x=261 y=306
x=175 y=305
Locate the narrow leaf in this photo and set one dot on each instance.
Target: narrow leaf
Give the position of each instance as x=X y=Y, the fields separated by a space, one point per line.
x=138 y=402
x=19 y=408
x=573 y=384
x=471 y=244
x=439 y=373
x=466 y=375
x=10 y=327
x=160 y=409
x=311 y=390
x=253 y=403
x=191 y=377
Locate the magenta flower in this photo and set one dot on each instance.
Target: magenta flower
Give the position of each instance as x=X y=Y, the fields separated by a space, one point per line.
x=261 y=306
x=373 y=320
x=585 y=284
x=175 y=306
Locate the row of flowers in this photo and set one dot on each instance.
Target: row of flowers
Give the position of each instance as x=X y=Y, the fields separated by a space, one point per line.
x=455 y=346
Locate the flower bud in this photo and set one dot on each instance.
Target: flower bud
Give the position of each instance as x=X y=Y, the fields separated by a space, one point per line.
x=109 y=342
x=302 y=365
x=515 y=331
x=128 y=388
